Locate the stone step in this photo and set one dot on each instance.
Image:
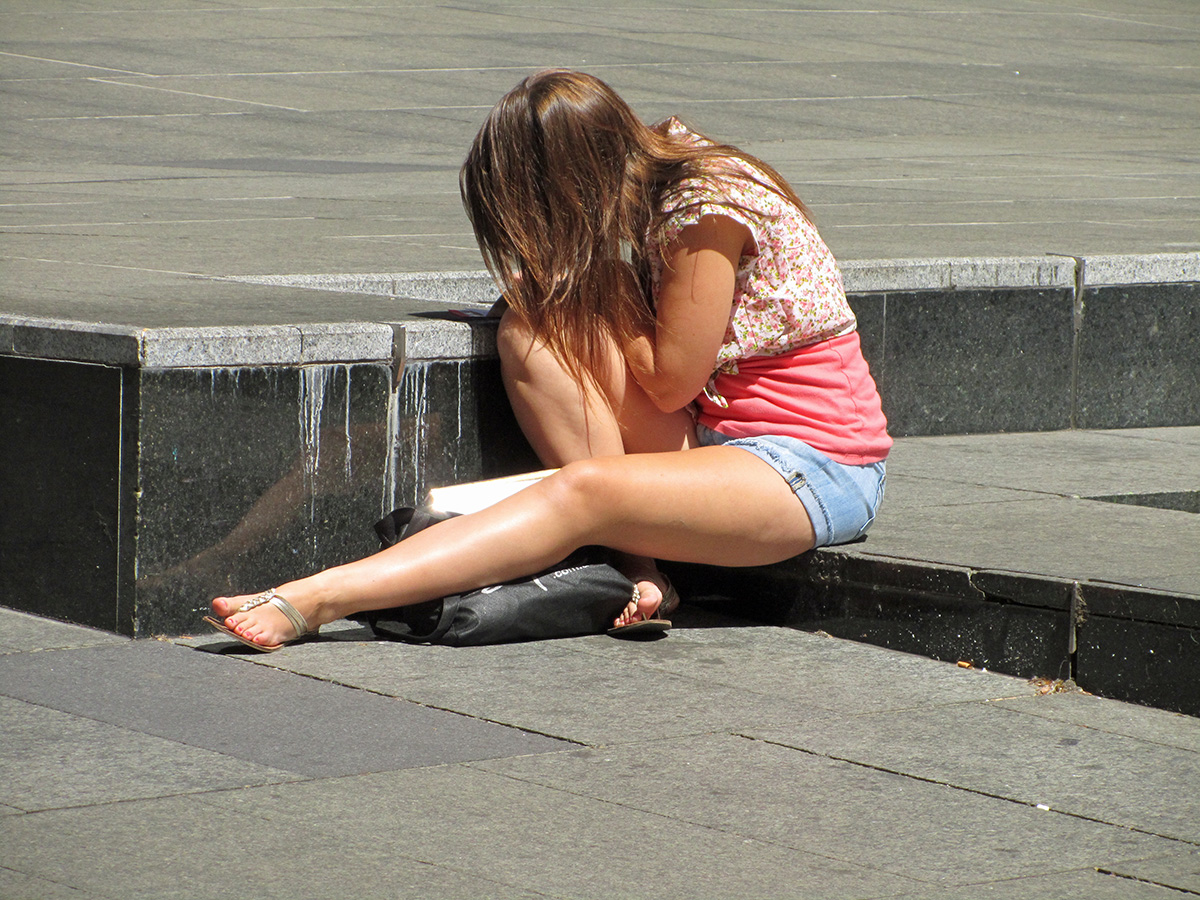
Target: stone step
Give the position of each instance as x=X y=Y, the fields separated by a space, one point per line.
x=149 y=469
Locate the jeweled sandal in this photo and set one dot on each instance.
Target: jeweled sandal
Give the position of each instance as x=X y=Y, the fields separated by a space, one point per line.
x=269 y=596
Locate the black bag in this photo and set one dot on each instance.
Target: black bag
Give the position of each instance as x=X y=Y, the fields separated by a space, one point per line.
x=581 y=595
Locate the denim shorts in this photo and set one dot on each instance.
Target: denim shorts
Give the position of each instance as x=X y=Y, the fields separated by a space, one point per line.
x=841 y=500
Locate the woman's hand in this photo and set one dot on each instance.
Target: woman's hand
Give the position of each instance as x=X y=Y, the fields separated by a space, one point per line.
x=695 y=299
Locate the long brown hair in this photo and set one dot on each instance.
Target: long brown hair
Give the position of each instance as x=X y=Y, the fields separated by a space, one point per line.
x=562 y=185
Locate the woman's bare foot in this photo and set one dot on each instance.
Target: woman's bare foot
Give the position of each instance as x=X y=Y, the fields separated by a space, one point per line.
x=265 y=625
x=644 y=607
x=651 y=585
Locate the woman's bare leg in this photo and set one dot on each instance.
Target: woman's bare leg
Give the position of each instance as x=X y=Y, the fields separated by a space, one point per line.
x=566 y=422
x=718 y=505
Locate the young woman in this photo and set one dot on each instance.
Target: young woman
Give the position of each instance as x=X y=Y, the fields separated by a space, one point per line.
x=674 y=336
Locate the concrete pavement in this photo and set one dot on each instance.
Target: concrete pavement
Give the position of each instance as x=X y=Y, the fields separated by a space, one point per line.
x=727 y=760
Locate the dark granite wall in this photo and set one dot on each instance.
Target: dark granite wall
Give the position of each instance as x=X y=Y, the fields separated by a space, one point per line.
x=455 y=425
x=133 y=496
x=62 y=535
x=971 y=361
x=979 y=361
x=251 y=477
x=1139 y=356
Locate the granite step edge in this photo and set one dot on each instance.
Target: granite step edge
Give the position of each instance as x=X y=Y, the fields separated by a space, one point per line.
x=436 y=335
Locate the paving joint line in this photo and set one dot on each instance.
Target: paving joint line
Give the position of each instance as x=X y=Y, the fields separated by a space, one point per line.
x=75 y=891
x=1101 y=730
x=357 y=687
x=1170 y=887
x=707 y=826
x=296 y=778
x=982 y=793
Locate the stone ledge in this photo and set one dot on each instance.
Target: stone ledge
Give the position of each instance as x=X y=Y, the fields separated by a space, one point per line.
x=88 y=342
x=203 y=347
x=432 y=339
x=1161 y=268
x=436 y=335
x=889 y=275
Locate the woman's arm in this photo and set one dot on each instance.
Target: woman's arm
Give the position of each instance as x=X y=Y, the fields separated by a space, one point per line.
x=694 y=301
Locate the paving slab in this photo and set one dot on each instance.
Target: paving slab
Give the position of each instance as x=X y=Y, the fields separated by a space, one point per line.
x=182 y=847
x=561 y=841
x=53 y=759
x=594 y=690
x=254 y=713
x=21 y=632
x=250 y=141
x=570 y=695
x=1153 y=725
x=997 y=751
x=1086 y=883
x=1121 y=544
x=879 y=742
x=1077 y=463
x=834 y=808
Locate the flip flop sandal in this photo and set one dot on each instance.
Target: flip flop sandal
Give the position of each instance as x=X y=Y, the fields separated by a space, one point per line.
x=293 y=615
x=655 y=625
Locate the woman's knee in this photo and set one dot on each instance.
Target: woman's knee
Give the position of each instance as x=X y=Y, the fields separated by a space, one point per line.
x=581 y=488
x=525 y=359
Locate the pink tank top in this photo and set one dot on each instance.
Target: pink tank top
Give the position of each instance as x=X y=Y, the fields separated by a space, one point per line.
x=822 y=394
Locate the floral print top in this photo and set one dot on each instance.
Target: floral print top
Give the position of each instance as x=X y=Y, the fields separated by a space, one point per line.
x=786 y=296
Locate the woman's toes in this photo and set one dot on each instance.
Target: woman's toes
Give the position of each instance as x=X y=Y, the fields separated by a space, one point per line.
x=627 y=614
x=650 y=597
x=646 y=605
x=225 y=607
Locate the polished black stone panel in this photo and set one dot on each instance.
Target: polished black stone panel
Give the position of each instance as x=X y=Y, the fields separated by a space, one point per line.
x=64 y=547
x=133 y=496
x=502 y=447
x=1141 y=662
x=869 y=310
x=1010 y=638
x=1118 y=601
x=974 y=361
x=455 y=425
x=768 y=594
x=995 y=620
x=1139 y=356
x=252 y=477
